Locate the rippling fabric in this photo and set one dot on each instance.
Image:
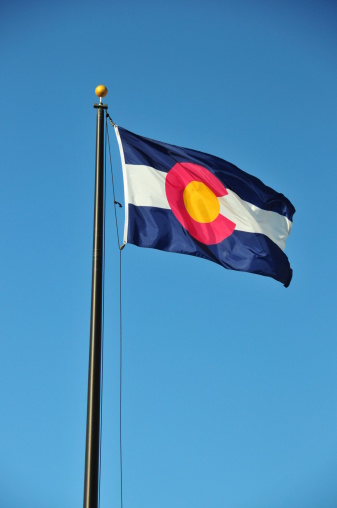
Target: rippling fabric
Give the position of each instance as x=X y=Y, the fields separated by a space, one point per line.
x=263 y=217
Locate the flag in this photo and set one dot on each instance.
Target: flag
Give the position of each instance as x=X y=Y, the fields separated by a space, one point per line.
x=185 y=201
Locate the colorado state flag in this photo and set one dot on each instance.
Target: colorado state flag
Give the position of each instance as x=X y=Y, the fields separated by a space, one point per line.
x=185 y=201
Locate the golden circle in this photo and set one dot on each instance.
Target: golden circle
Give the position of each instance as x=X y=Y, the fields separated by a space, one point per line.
x=101 y=91
x=201 y=203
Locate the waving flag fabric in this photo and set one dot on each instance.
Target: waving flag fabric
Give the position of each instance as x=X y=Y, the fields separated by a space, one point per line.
x=185 y=201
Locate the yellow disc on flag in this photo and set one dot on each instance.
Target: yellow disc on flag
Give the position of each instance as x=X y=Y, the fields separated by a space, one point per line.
x=201 y=203
x=101 y=91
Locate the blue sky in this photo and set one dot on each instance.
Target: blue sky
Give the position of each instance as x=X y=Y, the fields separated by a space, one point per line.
x=229 y=379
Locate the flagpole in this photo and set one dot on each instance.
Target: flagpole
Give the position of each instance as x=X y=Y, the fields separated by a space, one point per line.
x=92 y=450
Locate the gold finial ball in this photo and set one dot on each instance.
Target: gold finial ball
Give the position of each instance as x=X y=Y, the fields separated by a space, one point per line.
x=101 y=91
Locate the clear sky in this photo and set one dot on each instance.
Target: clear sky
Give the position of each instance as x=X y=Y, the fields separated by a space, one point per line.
x=229 y=379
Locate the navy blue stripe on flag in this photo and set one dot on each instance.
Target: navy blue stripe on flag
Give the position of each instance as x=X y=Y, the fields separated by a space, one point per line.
x=157 y=228
x=163 y=156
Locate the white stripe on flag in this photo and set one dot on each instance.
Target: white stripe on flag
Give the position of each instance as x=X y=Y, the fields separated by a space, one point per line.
x=146 y=187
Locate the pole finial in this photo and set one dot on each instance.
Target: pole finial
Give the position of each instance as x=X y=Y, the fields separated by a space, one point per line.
x=101 y=91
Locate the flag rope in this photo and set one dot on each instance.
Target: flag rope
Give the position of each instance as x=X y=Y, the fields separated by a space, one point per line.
x=120 y=374
x=120 y=247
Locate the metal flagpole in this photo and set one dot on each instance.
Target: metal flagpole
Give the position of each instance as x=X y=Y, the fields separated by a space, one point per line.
x=92 y=450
